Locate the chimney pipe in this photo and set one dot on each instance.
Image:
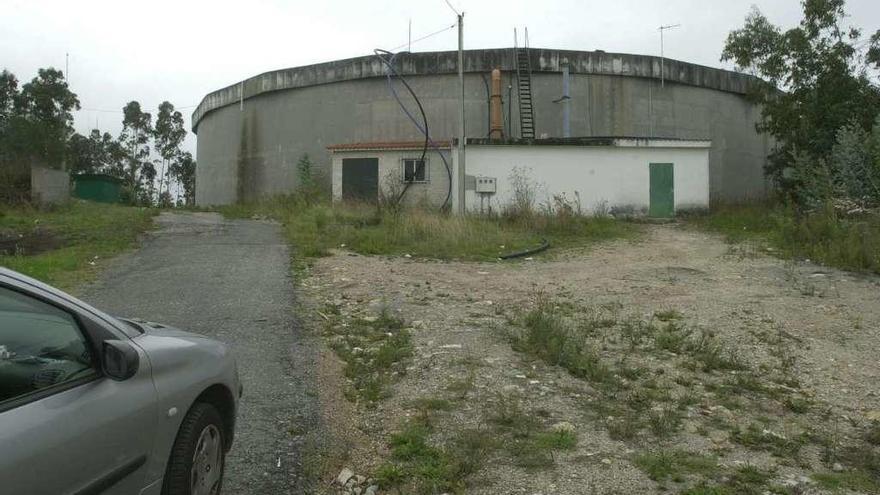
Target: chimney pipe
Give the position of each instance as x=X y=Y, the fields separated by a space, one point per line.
x=496 y=127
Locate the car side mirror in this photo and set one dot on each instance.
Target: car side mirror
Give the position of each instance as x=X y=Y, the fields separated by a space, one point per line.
x=119 y=359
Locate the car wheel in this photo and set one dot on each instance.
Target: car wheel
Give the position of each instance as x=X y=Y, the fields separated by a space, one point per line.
x=197 y=458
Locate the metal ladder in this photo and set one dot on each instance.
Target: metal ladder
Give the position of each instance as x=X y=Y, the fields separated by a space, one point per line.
x=524 y=87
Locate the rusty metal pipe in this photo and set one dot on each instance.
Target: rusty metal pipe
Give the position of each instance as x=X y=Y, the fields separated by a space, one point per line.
x=496 y=126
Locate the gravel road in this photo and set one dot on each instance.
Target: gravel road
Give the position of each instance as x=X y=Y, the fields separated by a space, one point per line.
x=230 y=280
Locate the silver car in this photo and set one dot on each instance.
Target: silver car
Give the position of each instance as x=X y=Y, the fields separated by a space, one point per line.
x=93 y=404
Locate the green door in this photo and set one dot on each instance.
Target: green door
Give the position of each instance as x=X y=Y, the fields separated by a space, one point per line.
x=662 y=191
x=360 y=179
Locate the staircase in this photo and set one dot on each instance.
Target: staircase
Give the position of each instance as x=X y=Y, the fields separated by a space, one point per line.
x=524 y=84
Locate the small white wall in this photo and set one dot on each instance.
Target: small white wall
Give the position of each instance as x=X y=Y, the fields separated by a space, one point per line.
x=614 y=176
x=432 y=193
x=49 y=186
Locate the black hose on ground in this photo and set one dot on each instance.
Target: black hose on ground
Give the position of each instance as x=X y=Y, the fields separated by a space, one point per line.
x=519 y=254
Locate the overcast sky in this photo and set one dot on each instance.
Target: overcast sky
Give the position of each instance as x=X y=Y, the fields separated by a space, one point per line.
x=122 y=50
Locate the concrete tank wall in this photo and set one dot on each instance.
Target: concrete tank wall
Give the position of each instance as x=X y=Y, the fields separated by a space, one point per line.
x=250 y=150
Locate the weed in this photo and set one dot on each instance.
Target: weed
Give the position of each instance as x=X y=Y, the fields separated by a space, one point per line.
x=509 y=416
x=851 y=243
x=858 y=481
x=665 y=422
x=373 y=350
x=687 y=399
x=632 y=373
x=671 y=337
x=675 y=465
x=624 y=428
x=389 y=475
x=872 y=434
x=548 y=337
x=799 y=405
x=667 y=315
x=748 y=480
x=704 y=489
x=432 y=404
x=635 y=331
x=460 y=388
x=711 y=354
x=315 y=228
x=527 y=456
x=556 y=440
x=756 y=437
x=746 y=383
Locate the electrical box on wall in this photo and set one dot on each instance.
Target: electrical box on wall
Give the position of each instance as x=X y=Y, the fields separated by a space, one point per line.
x=486 y=185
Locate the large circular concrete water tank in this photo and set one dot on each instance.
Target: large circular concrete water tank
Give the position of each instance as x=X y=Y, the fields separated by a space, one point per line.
x=252 y=134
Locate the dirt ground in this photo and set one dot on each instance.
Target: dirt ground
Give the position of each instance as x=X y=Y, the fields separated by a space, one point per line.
x=808 y=336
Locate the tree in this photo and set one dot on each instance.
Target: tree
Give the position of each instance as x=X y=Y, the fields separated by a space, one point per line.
x=8 y=94
x=184 y=171
x=168 y=136
x=855 y=172
x=97 y=153
x=135 y=136
x=814 y=81
x=43 y=118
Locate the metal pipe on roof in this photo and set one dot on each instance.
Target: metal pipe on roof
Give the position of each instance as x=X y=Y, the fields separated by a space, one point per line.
x=496 y=128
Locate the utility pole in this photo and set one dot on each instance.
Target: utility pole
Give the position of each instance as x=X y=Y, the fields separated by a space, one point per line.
x=409 y=37
x=67 y=68
x=662 y=63
x=461 y=130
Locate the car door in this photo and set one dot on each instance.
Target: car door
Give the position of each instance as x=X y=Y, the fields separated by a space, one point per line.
x=65 y=427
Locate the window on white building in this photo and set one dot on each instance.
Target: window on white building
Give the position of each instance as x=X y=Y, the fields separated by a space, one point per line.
x=414 y=170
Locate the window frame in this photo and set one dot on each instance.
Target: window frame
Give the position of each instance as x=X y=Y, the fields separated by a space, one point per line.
x=427 y=169
x=57 y=388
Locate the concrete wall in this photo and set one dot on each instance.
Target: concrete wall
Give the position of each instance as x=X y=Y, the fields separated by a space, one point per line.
x=249 y=151
x=49 y=185
x=615 y=177
x=431 y=193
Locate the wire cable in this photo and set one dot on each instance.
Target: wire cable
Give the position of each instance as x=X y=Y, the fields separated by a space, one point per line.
x=435 y=33
x=453 y=8
x=423 y=127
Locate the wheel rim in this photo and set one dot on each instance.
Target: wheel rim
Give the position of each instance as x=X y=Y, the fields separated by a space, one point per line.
x=207 y=463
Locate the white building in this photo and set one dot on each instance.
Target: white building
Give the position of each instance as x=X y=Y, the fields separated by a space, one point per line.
x=642 y=176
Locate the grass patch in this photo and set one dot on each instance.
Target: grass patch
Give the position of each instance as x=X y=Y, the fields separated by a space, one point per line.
x=314 y=228
x=521 y=433
x=85 y=232
x=556 y=440
x=418 y=466
x=851 y=243
x=756 y=437
x=374 y=351
x=672 y=337
x=858 y=481
x=432 y=404
x=704 y=472
x=675 y=465
x=668 y=315
x=665 y=423
x=547 y=336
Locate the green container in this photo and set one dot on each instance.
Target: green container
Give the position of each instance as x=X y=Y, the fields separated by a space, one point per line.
x=97 y=187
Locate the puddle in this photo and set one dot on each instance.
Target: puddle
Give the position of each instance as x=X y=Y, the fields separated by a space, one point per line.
x=28 y=243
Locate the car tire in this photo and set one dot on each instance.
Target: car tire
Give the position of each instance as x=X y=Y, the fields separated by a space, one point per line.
x=198 y=456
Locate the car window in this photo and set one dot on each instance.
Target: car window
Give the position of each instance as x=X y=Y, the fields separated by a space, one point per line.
x=40 y=346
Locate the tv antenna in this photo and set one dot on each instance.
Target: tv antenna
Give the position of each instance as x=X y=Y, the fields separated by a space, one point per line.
x=662 y=70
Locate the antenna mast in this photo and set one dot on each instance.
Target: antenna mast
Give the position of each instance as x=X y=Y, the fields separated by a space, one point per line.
x=662 y=59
